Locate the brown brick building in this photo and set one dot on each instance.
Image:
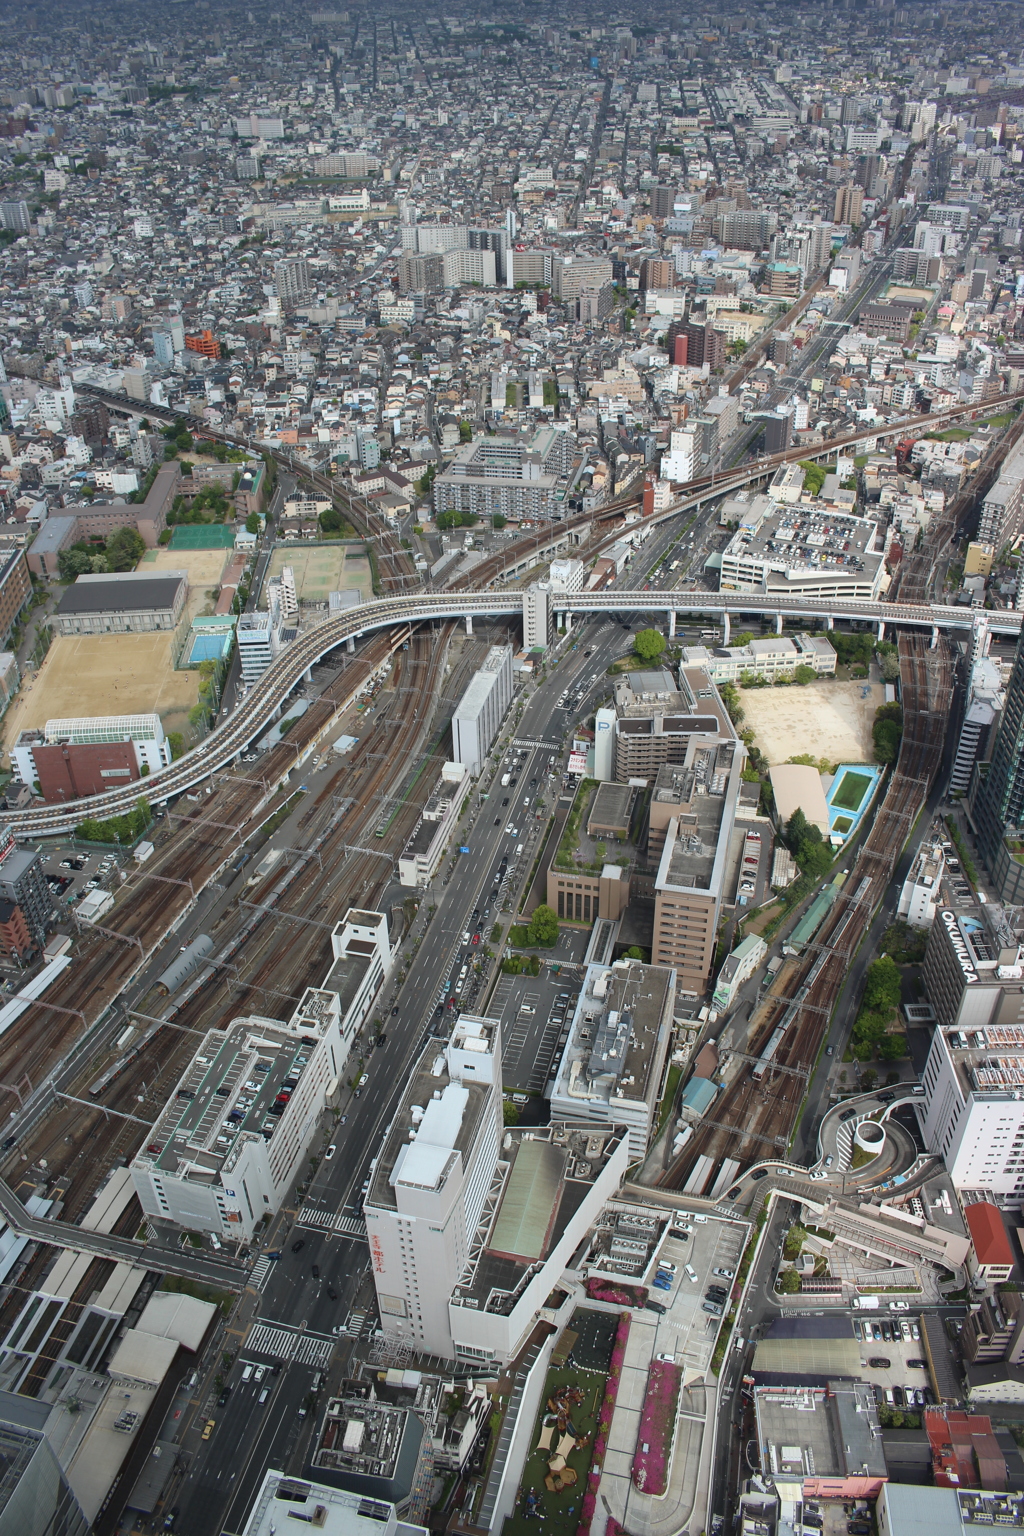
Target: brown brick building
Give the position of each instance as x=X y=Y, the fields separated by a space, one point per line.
x=68 y=770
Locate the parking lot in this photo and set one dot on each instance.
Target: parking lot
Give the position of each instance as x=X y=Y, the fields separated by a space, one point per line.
x=897 y=1374
x=535 y=1013
x=686 y=1331
x=71 y=872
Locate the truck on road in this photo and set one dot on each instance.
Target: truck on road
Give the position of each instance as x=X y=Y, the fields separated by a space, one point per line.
x=866 y=1303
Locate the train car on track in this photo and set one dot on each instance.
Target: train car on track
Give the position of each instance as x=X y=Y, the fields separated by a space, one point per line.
x=699 y=1176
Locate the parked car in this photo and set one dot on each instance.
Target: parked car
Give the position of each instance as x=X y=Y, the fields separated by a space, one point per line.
x=727 y=1274
x=713 y=1307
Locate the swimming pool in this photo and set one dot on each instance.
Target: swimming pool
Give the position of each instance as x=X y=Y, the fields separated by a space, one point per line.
x=851 y=792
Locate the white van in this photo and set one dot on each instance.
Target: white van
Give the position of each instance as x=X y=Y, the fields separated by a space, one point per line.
x=247 y=1372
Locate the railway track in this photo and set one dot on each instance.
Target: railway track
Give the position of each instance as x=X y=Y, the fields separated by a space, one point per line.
x=288 y=949
x=156 y=894
x=757 y=1111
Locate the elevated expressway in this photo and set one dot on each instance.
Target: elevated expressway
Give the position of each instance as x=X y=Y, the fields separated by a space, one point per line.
x=252 y=717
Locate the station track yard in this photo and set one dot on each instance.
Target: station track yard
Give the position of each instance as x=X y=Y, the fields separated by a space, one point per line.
x=269 y=945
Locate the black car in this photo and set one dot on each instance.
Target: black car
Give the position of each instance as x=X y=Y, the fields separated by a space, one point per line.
x=715 y=1293
x=298 y=1245
x=394 y=1012
x=879 y=1363
x=223 y=1397
x=759 y=1173
x=655 y=1306
x=316 y=1271
x=332 y=1293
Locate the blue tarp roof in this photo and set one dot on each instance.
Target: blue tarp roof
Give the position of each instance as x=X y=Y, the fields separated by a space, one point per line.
x=699 y=1094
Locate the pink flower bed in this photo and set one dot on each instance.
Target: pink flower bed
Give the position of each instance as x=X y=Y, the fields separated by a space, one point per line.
x=657 y=1427
x=612 y=1527
x=617 y=1295
x=604 y=1419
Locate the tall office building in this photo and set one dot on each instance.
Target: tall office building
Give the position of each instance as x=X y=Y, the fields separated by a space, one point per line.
x=291 y=279
x=998 y=796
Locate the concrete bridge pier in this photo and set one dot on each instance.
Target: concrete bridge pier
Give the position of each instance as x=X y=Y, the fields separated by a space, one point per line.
x=726 y=631
x=350 y=644
x=881 y=629
x=830 y=622
x=307 y=676
x=671 y=623
x=778 y=623
x=469 y=623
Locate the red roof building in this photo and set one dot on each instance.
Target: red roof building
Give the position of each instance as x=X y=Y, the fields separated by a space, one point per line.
x=965 y=1452
x=992 y=1256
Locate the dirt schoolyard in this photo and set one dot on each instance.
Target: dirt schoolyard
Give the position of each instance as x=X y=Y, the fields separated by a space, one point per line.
x=104 y=675
x=827 y=719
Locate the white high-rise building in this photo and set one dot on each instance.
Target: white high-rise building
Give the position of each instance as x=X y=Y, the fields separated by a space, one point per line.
x=973 y=1108
x=471 y=1225
x=536 y=616
x=289 y=596
x=431 y=1180
x=482 y=709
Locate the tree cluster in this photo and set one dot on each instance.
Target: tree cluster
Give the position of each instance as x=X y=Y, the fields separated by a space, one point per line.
x=122 y=829
x=806 y=844
x=456 y=519
x=881 y=999
x=887 y=732
x=542 y=928
x=648 y=644
x=122 y=552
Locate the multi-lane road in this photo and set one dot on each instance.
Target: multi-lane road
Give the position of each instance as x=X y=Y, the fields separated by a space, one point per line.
x=294 y=1315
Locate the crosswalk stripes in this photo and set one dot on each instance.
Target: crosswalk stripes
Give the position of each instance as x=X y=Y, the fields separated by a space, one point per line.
x=332 y=1221
x=286 y=1344
x=543 y=746
x=355 y=1321
x=260 y=1271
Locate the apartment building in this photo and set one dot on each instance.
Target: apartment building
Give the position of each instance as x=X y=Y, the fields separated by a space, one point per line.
x=23 y=885
x=1002 y=511
x=232 y=1137
x=517 y=477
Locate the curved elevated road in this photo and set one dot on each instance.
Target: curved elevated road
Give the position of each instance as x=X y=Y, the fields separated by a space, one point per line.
x=252 y=717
